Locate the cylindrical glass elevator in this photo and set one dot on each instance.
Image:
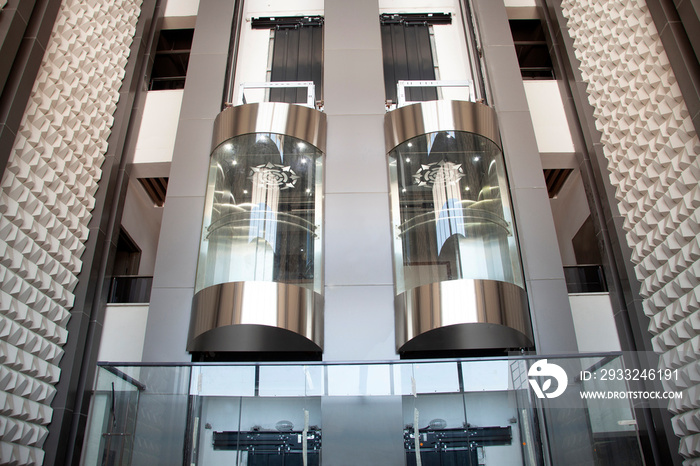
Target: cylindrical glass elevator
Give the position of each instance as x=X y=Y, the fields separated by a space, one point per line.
x=259 y=276
x=458 y=278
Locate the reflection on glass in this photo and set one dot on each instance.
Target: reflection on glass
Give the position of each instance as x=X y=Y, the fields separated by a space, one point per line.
x=451 y=211
x=462 y=412
x=262 y=217
x=613 y=425
x=116 y=399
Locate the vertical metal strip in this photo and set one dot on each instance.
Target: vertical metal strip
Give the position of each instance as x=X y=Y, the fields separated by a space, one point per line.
x=233 y=54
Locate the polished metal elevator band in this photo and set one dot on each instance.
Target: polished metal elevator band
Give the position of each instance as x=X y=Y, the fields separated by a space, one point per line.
x=414 y=120
x=429 y=319
x=301 y=122
x=221 y=318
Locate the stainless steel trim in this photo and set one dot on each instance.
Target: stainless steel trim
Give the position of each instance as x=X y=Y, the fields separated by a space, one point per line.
x=297 y=121
x=453 y=306
x=414 y=120
x=219 y=308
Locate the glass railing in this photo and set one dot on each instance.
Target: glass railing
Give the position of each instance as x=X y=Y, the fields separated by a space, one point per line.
x=474 y=412
x=585 y=279
x=130 y=289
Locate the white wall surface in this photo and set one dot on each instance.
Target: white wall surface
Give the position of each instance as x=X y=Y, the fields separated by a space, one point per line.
x=569 y=209
x=142 y=221
x=156 y=140
x=181 y=8
x=123 y=333
x=548 y=117
x=594 y=322
x=519 y=3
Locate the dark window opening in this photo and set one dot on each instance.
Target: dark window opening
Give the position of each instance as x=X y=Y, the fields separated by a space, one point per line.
x=532 y=49
x=408 y=53
x=585 y=244
x=587 y=276
x=555 y=179
x=171 y=59
x=297 y=54
x=585 y=279
x=156 y=189
x=128 y=257
x=126 y=286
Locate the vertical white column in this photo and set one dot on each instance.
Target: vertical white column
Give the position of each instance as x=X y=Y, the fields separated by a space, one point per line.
x=359 y=283
x=553 y=325
x=359 y=294
x=176 y=260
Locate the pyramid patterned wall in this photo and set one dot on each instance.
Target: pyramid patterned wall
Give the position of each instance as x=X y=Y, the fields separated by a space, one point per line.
x=46 y=196
x=651 y=147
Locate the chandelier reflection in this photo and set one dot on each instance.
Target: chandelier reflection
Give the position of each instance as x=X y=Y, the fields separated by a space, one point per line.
x=444 y=178
x=268 y=180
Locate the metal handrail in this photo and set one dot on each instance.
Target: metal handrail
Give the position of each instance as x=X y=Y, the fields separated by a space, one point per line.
x=309 y=85
x=479 y=216
x=402 y=85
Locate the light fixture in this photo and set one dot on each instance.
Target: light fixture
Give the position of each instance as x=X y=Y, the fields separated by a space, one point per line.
x=407 y=159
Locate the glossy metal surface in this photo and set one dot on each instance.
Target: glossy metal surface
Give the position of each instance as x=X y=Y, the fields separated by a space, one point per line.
x=461 y=315
x=271 y=117
x=414 y=120
x=256 y=316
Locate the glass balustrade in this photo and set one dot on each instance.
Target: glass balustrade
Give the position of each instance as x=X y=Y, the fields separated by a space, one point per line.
x=471 y=412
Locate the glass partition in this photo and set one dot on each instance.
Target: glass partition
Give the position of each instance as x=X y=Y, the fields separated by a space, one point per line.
x=453 y=219
x=256 y=415
x=262 y=217
x=472 y=412
x=138 y=416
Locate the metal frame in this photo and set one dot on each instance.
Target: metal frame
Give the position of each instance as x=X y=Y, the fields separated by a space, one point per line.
x=402 y=85
x=309 y=85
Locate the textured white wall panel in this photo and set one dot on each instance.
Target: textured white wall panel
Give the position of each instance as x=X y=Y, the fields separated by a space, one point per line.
x=46 y=196
x=651 y=147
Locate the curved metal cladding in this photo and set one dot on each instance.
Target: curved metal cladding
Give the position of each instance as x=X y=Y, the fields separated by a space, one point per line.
x=458 y=278
x=259 y=276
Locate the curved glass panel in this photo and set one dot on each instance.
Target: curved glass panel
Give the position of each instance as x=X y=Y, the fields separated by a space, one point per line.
x=262 y=218
x=451 y=211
